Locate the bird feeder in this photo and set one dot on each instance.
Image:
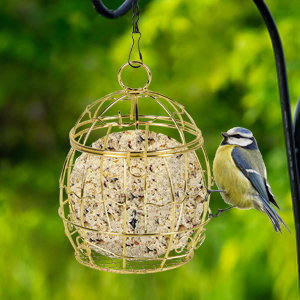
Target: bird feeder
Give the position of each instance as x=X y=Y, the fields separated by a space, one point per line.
x=133 y=194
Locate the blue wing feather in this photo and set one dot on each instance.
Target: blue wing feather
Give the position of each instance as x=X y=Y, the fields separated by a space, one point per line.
x=255 y=178
x=259 y=184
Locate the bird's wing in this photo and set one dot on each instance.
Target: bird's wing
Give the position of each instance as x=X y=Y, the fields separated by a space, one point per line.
x=259 y=182
x=254 y=177
x=261 y=185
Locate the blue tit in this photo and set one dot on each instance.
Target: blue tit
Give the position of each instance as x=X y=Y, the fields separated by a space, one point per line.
x=240 y=174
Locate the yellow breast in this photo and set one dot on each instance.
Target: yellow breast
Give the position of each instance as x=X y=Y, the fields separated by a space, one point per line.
x=238 y=189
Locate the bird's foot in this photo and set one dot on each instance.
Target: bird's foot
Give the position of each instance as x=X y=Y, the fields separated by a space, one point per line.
x=211 y=191
x=220 y=211
x=214 y=191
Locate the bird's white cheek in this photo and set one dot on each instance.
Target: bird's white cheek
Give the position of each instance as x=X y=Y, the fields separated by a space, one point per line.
x=240 y=142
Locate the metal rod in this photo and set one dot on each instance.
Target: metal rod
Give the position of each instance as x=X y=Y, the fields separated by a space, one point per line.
x=286 y=115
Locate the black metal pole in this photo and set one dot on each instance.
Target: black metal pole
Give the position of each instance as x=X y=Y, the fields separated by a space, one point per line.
x=286 y=115
x=297 y=132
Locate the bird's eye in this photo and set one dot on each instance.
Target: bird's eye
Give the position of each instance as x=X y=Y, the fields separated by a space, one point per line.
x=237 y=136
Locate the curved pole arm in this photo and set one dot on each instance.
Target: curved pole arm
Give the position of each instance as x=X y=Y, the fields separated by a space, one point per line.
x=112 y=14
x=286 y=115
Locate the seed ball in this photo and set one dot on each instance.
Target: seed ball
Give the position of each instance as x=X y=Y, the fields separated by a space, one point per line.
x=107 y=190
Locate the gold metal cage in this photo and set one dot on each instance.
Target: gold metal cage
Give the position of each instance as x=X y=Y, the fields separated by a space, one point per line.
x=100 y=120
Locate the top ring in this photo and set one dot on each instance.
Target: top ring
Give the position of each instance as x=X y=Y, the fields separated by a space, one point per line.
x=138 y=63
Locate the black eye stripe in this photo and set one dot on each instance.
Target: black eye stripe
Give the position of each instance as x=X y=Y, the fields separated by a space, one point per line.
x=239 y=136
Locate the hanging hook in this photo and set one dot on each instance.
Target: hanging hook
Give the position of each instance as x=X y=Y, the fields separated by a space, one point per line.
x=140 y=54
x=112 y=14
x=122 y=10
x=135 y=29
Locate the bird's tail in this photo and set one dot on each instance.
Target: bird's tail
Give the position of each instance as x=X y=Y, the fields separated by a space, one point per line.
x=273 y=215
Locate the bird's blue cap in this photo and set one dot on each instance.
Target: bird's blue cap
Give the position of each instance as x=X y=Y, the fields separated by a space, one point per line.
x=242 y=130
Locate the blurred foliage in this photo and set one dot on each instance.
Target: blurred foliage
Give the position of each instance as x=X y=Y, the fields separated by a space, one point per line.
x=213 y=56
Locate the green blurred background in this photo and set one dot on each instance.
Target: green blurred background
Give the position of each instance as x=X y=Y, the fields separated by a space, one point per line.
x=214 y=57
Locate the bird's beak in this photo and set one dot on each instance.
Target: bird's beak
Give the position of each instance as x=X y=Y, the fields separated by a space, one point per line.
x=225 y=134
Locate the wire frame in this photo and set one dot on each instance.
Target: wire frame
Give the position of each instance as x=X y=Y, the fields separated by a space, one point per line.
x=119 y=111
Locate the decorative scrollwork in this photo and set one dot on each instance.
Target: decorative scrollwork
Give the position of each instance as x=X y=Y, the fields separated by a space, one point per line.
x=199 y=239
x=188 y=244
